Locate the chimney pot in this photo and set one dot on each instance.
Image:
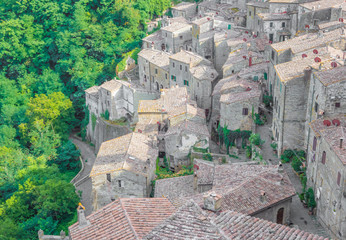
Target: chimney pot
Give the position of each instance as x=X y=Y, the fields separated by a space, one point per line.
x=263 y=196
x=81 y=216
x=212 y=202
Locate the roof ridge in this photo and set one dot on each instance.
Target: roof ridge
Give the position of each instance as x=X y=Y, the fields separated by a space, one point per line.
x=128 y=218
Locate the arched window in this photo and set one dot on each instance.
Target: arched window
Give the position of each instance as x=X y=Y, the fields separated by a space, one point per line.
x=324 y=157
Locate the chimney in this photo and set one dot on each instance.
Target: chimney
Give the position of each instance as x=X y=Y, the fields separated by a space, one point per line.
x=62 y=235
x=307 y=74
x=212 y=202
x=82 y=221
x=40 y=234
x=250 y=61
x=341 y=141
x=195 y=181
x=280 y=168
x=282 y=181
x=263 y=197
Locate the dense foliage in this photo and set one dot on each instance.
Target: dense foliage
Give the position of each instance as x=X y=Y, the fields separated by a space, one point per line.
x=50 y=52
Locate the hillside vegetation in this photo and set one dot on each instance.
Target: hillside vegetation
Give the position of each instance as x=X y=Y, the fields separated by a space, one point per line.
x=50 y=52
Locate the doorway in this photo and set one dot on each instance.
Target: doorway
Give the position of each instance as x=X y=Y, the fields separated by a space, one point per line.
x=280 y=216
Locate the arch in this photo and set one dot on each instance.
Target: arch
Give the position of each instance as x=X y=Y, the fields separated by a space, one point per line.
x=280 y=216
x=157 y=86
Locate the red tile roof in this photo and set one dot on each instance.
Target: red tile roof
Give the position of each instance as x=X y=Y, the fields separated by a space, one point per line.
x=125 y=218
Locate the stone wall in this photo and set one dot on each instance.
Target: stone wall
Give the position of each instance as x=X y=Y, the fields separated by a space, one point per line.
x=330 y=197
x=270 y=214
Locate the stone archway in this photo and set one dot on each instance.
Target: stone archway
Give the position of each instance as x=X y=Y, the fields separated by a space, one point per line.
x=280 y=216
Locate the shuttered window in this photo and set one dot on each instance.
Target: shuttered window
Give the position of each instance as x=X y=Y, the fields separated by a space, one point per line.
x=324 y=157
x=245 y=111
x=314 y=144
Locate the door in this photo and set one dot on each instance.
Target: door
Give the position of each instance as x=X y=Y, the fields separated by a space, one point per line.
x=280 y=216
x=271 y=37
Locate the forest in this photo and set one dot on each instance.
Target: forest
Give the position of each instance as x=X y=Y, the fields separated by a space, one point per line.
x=50 y=52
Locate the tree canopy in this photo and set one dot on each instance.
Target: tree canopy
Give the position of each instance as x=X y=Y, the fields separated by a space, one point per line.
x=50 y=52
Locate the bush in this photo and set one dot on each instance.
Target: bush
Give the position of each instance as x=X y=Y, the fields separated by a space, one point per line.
x=208 y=157
x=296 y=164
x=274 y=145
x=310 y=198
x=248 y=151
x=256 y=139
x=288 y=155
x=267 y=100
x=93 y=121
x=258 y=120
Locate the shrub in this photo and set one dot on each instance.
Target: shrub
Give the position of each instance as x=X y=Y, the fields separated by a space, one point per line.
x=258 y=119
x=248 y=151
x=296 y=164
x=310 y=198
x=267 y=100
x=274 y=145
x=208 y=157
x=288 y=155
x=256 y=139
x=93 y=121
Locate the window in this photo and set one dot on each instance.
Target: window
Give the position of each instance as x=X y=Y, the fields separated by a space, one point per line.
x=314 y=144
x=186 y=83
x=316 y=106
x=249 y=13
x=324 y=157
x=166 y=76
x=108 y=103
x=339 y=179
x=166 y=34
x=181 y=67
x=120 y=183
x=245 y=111
x=155 y=70
x=109 y=177
x=273 y=54
x=107 y=93
x=153 y=79
x=229 y=26
x=173 y=64
x=337 y=105
x=271 y=24
x=147 y=45
x=283 y=24
x=181 y=37
x=144 y=68
x=197 y=84
x=185 y=68
x=174 y=78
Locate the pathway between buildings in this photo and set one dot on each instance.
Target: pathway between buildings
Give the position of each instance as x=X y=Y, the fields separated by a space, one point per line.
x=83 y=182
x=299 y=214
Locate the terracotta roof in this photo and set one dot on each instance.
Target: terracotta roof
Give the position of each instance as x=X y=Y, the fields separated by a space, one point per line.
x=273 y=16
x=221 y=83
x=125 y=218
x=241 y=186
x=92 y=90
x=261 y=67
x=177 y=26
x=183 y=6
x=159 y=58
x=175 y=187
x=308 y=41
x=322 y=4
x=188 y=126
x=154 y=37
x=188 y=57
x=129 y=152
x=188 y=222
x=229 y=98
x=111 y=85
x=332 y=134
x=243 y=227
x=205 y=172
x=204 y=72
x=332 y=76
x=330 y=24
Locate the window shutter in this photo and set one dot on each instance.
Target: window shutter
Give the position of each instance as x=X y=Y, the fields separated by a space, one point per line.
x=324 y=157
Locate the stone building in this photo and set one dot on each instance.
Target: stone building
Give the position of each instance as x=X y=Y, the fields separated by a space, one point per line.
x=153 y=69
x=176 y=121
x=266 y=191
x=176 y=36
x=309 y=45
x=239 y=102
x=194 y=72
x=326 y=171
x=124 y=167
x=253 y=8
x=119 y=100
x=156 y=218
x=327 y=94
x=291 y=93
x=187 y=10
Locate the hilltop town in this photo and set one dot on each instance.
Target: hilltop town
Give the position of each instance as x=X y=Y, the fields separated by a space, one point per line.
x=229 y=124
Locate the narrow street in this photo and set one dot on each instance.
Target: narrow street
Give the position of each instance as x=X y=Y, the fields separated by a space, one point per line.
x=299 y=215
x=83 y=182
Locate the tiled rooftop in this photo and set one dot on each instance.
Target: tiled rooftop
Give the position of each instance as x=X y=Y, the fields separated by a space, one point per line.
x=129 y=152
x=322 y=4
x=332 y=134
x=332 y=76
x=221 y=83
x=273 y=16
x=154 y=37
x=188 y=126
x=176 y=187
x=111 y=85
x=173 y=27
x=188 y=222
x=188 y=57
x=261 y=67
x=308 y=41
x=159 y=58
x=205 y=171
x=239 y=226
x=183 y=6
x=93 y=90
x=259 y=4
x=204 y=72
x=229 y=98
x=330 y=24
x=125 y=218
